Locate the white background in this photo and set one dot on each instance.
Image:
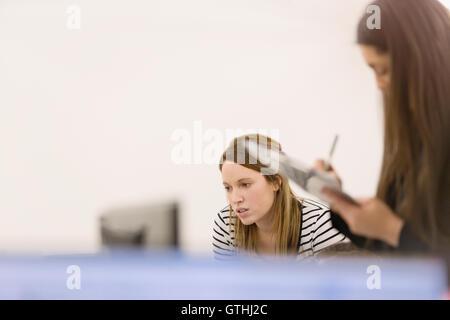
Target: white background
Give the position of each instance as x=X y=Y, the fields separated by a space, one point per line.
x=86 y=116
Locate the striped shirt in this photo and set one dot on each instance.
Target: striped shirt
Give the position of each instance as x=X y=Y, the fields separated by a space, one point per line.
x=317 y=232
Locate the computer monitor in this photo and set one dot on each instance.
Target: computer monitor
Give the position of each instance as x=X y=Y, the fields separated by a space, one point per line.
x=153 y=225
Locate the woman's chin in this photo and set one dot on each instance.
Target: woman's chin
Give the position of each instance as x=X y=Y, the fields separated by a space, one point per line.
x=245 y=221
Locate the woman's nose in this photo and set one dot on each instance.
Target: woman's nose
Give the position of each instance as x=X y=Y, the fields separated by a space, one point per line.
x=236 y=196
x=381 y=85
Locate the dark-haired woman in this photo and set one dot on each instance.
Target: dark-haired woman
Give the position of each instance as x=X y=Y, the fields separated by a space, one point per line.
x=410 y=56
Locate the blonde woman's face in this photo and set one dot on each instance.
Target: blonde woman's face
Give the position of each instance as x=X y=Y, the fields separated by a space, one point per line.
x=380 y=64
x=248 y=189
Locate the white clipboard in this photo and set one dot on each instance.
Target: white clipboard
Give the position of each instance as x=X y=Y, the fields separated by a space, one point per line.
x=304 y=176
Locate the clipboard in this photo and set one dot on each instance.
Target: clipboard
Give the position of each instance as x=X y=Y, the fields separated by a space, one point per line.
x=306 y=177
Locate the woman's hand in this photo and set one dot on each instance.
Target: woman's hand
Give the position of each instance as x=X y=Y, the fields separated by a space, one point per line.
x=372 y=219
x=319 y=165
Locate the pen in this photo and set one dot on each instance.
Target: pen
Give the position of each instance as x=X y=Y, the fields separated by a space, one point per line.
x=328 y=162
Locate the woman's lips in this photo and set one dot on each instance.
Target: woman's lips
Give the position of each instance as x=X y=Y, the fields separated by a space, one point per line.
x=243 y=213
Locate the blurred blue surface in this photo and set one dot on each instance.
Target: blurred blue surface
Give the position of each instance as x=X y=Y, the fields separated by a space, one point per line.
x=171 y=275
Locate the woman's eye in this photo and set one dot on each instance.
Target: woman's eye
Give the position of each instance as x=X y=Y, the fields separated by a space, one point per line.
x=227 y=188
x=246 y=185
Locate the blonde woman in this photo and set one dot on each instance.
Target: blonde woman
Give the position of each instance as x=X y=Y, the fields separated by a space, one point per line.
x=263 y=216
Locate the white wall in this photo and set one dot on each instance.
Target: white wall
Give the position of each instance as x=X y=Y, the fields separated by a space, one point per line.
x=86 y=116
x=446 y=3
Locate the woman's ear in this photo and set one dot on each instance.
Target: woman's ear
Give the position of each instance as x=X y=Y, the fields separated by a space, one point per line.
x=277 y=183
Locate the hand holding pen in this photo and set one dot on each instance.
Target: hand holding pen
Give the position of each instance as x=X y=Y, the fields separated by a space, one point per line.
x=359 y=218
x=321 y=165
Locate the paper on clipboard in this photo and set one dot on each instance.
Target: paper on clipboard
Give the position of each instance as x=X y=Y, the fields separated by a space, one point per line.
x=304 y=176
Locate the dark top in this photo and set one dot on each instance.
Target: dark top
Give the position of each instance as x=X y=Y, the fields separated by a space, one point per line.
x=408 y=241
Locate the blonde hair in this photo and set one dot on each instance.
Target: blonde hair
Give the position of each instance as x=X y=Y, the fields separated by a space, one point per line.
x=287 y=212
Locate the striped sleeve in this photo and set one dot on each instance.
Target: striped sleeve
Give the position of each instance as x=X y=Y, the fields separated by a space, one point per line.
x=223 y=236
x=324 y=234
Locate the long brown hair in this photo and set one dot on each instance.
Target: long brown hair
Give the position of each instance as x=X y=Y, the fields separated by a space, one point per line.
x=287 y=213
x=415 y=174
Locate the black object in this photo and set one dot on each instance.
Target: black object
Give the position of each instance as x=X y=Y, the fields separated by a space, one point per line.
x=123 y=238
x=340 y=225
x=153 y=225
x=359 y=241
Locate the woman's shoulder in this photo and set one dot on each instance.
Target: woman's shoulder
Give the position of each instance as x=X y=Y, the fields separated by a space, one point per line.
x=314 y=215
x=224 y=216
x=223 y=234
x=224 y=222
x=310 y=206
x=317 y=231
